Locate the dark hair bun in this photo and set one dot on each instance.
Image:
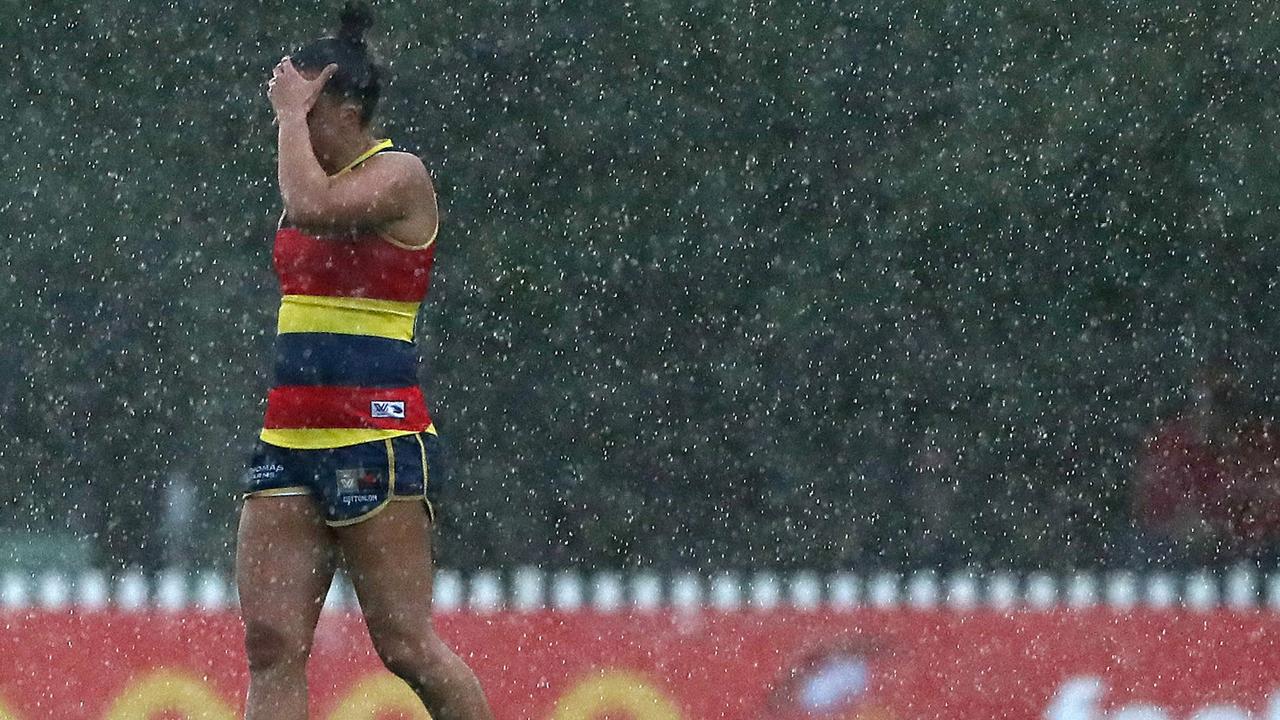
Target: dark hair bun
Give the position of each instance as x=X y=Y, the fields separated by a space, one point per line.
x=353 y=20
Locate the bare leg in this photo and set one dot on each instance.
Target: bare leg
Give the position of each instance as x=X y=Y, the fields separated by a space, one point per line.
x=284 y=564
x=389 y=559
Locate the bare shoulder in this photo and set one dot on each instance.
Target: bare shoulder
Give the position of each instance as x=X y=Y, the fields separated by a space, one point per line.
x=409 y=175
x=405 y=167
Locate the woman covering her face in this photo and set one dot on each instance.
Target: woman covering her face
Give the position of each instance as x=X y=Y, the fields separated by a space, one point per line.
x=345 y=459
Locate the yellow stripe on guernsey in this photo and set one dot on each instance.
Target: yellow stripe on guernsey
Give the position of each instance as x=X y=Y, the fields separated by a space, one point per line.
x=347 y=316
x=325 y=438
x=343 y=316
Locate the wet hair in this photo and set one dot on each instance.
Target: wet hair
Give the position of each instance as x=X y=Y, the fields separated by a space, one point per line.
x=359 y=75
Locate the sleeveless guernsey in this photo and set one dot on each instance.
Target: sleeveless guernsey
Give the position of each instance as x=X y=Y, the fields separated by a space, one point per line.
x=346 y=367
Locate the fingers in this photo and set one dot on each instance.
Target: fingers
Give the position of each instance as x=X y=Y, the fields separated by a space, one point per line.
x=285 y=65
x=285 y=72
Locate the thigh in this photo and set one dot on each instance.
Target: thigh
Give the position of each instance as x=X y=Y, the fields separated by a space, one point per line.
x=285 y=559
x=388 y=557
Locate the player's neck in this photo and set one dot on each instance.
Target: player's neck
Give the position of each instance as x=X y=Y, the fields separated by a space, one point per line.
x=347 y=152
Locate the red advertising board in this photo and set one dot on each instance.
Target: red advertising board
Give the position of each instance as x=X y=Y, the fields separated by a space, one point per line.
x=888 y=664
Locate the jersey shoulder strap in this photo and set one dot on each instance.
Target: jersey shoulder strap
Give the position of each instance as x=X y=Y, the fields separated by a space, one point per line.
x=384 y=144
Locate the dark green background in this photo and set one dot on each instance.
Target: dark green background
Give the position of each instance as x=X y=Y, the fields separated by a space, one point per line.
x=711 y=274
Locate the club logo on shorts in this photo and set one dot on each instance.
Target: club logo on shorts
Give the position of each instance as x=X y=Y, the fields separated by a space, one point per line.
x=387 y=409
x=357 y=480
x=349 y=479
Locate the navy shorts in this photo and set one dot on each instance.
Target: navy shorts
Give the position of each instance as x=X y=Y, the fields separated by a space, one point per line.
x=351 y=483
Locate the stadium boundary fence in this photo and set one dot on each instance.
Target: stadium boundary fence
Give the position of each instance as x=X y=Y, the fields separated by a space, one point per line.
x=531 y=589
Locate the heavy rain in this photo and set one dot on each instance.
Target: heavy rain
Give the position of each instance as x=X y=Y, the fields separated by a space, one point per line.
x=817 y=359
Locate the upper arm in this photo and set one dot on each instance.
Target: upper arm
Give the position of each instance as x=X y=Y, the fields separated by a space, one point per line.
x=384 y=189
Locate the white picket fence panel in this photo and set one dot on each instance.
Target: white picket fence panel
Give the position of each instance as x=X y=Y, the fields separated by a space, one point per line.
x=529 y=589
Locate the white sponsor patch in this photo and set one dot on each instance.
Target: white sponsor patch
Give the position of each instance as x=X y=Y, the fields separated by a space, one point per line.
x=387 y=409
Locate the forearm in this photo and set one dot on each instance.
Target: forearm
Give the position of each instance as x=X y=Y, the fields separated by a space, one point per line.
x=302 y=180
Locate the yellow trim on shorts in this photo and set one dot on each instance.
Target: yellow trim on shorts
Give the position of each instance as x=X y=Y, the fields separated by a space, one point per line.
x=329 y=438
x=426 y=479
x=362 y=518
x=431 y=509
x=391 y=469
x=291 y=491
x=347 y=316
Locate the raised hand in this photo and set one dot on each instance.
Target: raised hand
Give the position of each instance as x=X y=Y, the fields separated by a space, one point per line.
x=291 y=93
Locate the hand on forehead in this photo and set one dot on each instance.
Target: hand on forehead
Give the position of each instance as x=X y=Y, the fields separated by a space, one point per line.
x=286 y=64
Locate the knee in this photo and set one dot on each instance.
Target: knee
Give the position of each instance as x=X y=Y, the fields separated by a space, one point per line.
x=414 y=655
x=271 y=646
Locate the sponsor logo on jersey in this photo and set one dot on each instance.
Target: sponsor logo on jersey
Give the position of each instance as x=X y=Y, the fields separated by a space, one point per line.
x=387 y=409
